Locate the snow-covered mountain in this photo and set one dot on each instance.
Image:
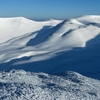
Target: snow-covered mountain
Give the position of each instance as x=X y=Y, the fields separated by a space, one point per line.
x=45 y=50
x=17 y=26
x=21 y=85
x=51 y=46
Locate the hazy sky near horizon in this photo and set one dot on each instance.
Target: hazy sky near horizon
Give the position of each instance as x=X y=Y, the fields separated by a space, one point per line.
x=45 y=9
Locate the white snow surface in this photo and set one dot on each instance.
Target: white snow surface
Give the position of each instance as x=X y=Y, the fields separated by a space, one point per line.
x=22 y=85
x=24 y=41
x=16 y=26
x=22 y=32
x=53 y=47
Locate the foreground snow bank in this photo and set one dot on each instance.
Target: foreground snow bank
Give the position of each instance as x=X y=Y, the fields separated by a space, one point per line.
x=22 y=85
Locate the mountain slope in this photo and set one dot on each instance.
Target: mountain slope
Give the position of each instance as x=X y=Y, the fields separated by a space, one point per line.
x=70 y=45
x=16 y=26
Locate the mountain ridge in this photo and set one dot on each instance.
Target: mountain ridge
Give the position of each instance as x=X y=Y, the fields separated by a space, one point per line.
x=12 y=27
x=73 y=43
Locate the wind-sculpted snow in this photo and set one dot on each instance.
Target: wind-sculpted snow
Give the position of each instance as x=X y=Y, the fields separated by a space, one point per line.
x=51 y=46
x=88 y=19
x=16 y=26
x=22 y=85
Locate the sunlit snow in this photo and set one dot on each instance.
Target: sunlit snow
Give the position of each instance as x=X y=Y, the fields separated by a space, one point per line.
x=44 y=51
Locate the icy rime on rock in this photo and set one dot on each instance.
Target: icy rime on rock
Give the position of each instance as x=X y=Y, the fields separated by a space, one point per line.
x=22 y=85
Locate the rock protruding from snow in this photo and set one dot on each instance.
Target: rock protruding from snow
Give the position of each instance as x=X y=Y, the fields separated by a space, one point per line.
x=21 y=85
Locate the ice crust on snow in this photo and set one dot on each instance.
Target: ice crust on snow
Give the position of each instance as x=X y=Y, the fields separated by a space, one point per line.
x=22 y=85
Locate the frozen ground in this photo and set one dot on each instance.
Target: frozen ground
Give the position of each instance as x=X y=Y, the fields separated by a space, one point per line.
x=21 y=85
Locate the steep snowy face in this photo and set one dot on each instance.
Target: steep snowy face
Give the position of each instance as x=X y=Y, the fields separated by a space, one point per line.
x=22 y=85
x=12 y=27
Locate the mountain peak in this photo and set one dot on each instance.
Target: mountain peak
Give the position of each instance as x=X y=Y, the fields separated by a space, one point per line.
x=89 y=18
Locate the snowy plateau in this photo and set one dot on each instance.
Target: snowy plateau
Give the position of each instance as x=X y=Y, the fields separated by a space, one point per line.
x=50 y=60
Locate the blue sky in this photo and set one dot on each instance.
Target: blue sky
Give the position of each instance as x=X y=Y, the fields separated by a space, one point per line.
x=45 y=9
